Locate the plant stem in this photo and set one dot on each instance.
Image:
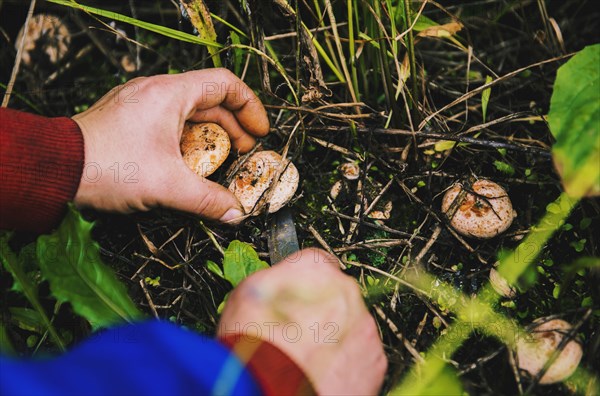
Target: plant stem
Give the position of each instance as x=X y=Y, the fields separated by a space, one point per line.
x=410 y=47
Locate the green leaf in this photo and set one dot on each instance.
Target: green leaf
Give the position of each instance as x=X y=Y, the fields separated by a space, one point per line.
x=165 y=31
x=27 y=319
x=485 y=97
x=26 y=286
x=6 y=347
x=444 y=145
x=240 y=261
x=214 y=268
x=445 y=382
x=237 y=54
x=71 y=262
x=504 y=167
x=574 y=120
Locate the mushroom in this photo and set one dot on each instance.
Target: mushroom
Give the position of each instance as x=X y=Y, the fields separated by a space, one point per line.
x=533 y=352
x=501 y=285
x=253 y=183
x=336 y=189
x=204 y=147
x=45 y=36
x=383 y=213
x=482 y=215
x=350 y=170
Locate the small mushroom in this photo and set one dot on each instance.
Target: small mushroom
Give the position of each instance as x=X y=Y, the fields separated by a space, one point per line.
x=482 y=215
x=382 y=213
x=204 y=147
x=252 y=184
x=45 y=36
x=533 y=352
x=350 y=170
x=501 y=285
x=336 y=189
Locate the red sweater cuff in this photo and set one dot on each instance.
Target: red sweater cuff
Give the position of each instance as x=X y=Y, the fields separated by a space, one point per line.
x=275 y=372
x=41 y=161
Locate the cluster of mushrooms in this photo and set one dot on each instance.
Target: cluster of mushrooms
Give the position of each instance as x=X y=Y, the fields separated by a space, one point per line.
x=265 y=182
x=484 y=211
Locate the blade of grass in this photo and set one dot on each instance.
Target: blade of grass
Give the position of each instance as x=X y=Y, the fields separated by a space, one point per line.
x=351 y=46
x=410 y=47
x=485 y=98
x=200 y=18
x=162 y=30
x=338 y=43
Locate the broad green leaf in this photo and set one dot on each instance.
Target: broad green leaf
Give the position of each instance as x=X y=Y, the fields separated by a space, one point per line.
x=26 y=286
x=240 y=261
x=485 y=97
x=165 y=31
x=574 y=120
x=71 y=262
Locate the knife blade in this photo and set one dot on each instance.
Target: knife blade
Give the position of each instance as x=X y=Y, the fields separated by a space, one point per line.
x=283 y=239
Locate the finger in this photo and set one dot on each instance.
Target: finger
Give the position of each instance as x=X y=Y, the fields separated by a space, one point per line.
x=190 y=193
x=225 y=118
x=204 y=89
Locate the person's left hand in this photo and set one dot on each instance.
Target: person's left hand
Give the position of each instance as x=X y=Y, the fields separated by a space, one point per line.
x=132 y=157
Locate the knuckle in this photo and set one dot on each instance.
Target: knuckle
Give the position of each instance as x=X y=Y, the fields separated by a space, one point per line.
x=205 y=203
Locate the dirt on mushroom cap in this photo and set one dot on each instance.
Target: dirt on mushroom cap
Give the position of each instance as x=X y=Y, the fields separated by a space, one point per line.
x=534 y=352
x=204 y=147
x=256 y=175
x=483 y=216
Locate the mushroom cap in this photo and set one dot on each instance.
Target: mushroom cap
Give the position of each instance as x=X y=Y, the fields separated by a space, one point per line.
x=45 y=34
x=480 y=217
x=534 y=352
x=204 y=147
x=500 y=285
x=350 y=170
x=257 y=174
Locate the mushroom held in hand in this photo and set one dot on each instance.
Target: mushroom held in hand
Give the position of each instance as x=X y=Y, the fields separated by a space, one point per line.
x=484 y=214
x=534 y=352
x=204 y=147
x=252 y=184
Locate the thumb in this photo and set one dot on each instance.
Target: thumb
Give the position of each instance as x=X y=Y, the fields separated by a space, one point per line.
x=193 y=194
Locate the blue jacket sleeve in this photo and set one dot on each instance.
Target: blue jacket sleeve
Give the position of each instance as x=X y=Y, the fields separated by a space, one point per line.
x=151 y=358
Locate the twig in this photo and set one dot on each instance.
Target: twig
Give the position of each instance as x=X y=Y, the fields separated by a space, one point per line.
x=477 y=90
x=148 y=298
x=409 y=347
x=324 y=244
x=17 y=65
x=371 y=225
x=434 y=236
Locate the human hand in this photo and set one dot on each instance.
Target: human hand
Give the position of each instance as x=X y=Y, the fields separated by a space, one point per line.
x=315 y=314
x=132 y=136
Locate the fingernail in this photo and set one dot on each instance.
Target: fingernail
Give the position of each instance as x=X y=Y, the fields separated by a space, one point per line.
x=232 y=216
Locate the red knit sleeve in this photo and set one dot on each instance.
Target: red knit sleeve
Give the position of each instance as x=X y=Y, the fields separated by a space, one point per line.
x=41 y=160
x=275 y=372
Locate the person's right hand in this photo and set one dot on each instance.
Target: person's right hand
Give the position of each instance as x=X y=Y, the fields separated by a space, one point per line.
x=132 y=137
x=315 y=314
